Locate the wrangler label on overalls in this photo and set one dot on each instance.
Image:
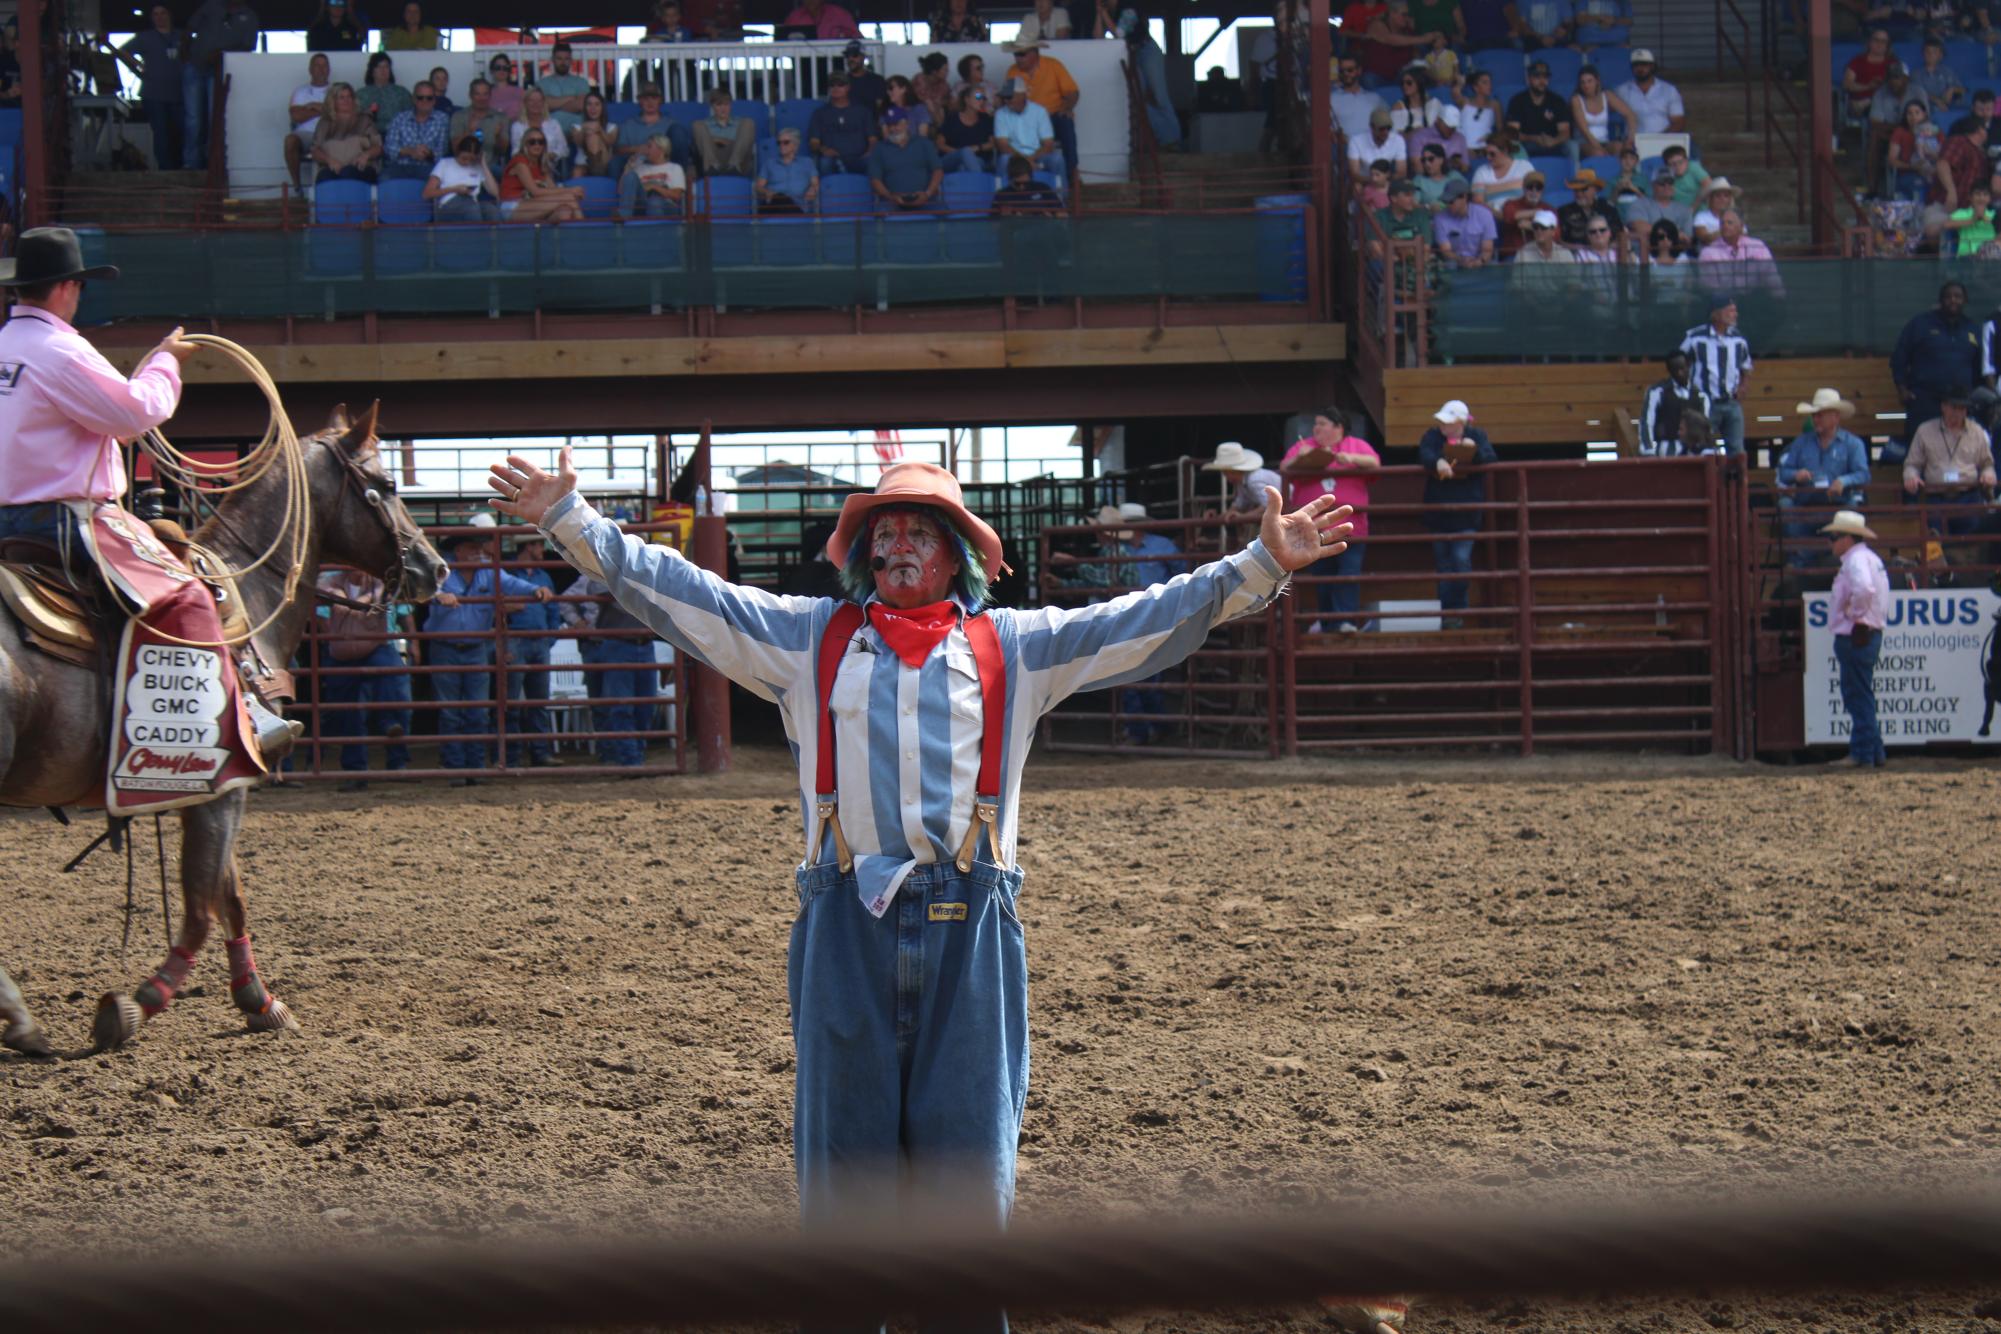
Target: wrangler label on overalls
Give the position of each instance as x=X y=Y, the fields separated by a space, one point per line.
x=946 y=912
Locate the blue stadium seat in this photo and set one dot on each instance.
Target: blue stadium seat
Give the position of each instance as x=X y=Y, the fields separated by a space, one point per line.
x=516 y=247
x=1651 y=167
x=1615 y=65
x=845 y=195
x=971 y=240
x=1052 y=180
x=600 y=196
x=401 y=201
x=910 y=238
x=1556 y=196
x=618 y=113
x=1555 y=170
x=587 y=245
x=462 y=247
x=845 y=240
x=732 y=241
x=757 y=113
x=685 y=114
x=968 y=193
x=722 y=197
x=787 y=242
x=653 y=243
x=342 y=202
x=1506 y=91
x=11 y=126
x=796 y=113
x=767 y=153
x=1839 y=54
x=1606 y=165
x=1969 y=60
x=1504 y=63
x=1563 y=66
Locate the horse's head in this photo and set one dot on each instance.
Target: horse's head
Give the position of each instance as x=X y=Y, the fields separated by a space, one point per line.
x=364 y=524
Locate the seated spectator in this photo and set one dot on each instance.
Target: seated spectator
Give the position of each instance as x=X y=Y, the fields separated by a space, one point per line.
x=417 y=139
x=441 y=83
x=634 y=134
x=1736 y=262
x=1500 y=177
x=1982 y=114
x=655 y=187
x=830 y=22
x=1627 y=184
x=1536 y=25
x=789 y=185
x=1051 y=87
x=1352 y=104
x=594 y=140
x=1380 y=142
x=1432 y=178
x=1464 y=232
x=535 y=116
x=1866 y=73
x=1690 y=177
x=461 y=189
x=1601 y=121
x=957 y=22
x=966 y=137
x=932 y=87
x=346 y=145
x=1575 y=217
x=1717 y=197
x=1912 y=154
x=724 y=145
x=1404 y=219
x=413 y=34
x=1604 y=247
x=1543 y=246
x=1962 y=164
x=1442 y=133
x=667 y=26
x=1604 y=22
x=1974 y=224
x=1935 y=79
x=1390 y=41
x=480 y=119
x=563 y=92
x=1047 y=22
x=531 y=189
x=1023 y=193
x=904 y=98
x=1642 y=213
x=1950 y=461
x=1479 y=111
x=334 y=28
x=841 y=132
x=1023 y=129
x=973 y=74
x=1670 y=272
x=1826 y=468
x=1517 y=216
x=309 y=103
x=1655 y=103
x=1408 y=112
x=865 y=86
x=380 y=95
x=1667 y=405
x=904 y=171
x=1376 y=194
x=1540 y=118
x=506 y=93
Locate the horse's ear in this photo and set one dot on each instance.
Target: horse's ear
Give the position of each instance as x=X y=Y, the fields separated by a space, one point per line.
x=337 y=419
x=360 y=434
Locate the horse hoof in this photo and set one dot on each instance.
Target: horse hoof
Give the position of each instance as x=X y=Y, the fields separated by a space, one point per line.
x=117 y=1022
x=275 y=1019
x=28 y=1040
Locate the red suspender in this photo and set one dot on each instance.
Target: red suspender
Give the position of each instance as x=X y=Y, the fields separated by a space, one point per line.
x=992 y=665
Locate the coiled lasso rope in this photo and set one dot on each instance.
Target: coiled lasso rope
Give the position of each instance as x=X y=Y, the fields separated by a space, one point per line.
x=210 y=483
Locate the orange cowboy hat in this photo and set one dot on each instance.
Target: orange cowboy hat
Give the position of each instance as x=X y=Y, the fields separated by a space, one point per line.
x=916 y=484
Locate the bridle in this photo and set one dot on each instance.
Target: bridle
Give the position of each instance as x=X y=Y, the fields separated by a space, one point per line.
x=404 y=535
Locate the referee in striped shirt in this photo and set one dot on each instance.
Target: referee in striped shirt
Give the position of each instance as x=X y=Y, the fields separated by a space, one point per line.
x=1668 y=406
x=1718 y=360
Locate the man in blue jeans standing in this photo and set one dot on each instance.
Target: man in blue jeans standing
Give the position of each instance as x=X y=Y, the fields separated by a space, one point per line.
x=357 y=654
x=1857 y=611
x=461 y=618
x=528 y=664
x=1451 y=454
x=623 y=649
x=218 y=26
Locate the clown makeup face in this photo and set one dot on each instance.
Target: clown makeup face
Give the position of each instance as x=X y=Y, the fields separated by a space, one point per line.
x=917 y=559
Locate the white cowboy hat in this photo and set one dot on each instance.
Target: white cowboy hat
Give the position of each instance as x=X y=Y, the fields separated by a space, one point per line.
x=1849 y=522
x=1453 y=411
x=1133 y=510
x=1823 y=399
x=1715 y=183
x=1233 y=457
x=1111 y=514
x=482 y=519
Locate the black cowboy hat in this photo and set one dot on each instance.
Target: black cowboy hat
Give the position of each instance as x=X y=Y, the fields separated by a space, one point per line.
x=49 y=255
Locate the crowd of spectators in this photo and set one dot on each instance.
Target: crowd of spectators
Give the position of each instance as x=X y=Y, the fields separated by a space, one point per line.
x=1930 y=150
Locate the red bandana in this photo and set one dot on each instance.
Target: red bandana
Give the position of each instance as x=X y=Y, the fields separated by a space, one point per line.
x=913 y=631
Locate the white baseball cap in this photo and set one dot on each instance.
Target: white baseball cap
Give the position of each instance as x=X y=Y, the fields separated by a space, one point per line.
x=1642 y=57
x=1542 y=218
x=482 y=519
x=1453 y=411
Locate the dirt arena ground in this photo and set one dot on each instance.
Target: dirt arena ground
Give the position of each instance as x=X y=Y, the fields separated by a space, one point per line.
x=563 y=1005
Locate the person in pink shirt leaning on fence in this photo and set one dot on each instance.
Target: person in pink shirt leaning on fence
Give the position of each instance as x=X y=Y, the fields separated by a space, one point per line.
x=1305 y=467
x=1857 y=610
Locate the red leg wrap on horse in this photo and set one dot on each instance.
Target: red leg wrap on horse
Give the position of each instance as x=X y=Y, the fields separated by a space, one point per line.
x=158 y=992
x=245 y=987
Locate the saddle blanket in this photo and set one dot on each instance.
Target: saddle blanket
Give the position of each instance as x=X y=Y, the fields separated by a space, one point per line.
x=181 y=734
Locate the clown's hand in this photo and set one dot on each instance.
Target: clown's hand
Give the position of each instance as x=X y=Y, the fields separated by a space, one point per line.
x=1314 y=531
x=526 y=492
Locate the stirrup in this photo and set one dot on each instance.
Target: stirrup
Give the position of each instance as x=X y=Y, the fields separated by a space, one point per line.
x=275 y=735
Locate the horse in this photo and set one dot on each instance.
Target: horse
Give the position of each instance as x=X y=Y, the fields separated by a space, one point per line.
x=55 y=724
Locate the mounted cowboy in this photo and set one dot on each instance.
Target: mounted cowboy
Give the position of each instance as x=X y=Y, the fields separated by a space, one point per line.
x=64 y=409
x=912 y=706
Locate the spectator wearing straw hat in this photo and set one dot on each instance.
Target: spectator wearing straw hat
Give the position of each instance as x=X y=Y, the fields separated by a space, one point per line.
x=1857 y=609
x=1712 y=199
x=1245 y=467
x=1951 y=465
x=1051 y=87
x=1826 y=467
x=1573 y=220
x=1451 y=454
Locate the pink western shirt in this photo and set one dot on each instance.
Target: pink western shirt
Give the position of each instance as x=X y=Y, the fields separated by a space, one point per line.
x=1861 y=591
x=63 y=408
x=1349 y=488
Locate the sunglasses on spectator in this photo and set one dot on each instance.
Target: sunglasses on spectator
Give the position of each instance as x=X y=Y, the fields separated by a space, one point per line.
x=534 y=143
x=1597 y=231
x=423 y=97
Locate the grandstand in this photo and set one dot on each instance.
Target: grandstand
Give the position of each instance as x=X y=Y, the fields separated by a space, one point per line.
x=1204 y=267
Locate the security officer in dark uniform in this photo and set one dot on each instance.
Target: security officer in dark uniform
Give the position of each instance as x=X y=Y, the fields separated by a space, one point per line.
x=1937 y=350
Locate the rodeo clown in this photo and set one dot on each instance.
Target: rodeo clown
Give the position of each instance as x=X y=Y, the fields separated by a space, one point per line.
x=911 y=706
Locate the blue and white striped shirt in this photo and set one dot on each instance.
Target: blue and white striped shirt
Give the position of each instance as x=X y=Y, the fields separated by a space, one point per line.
x=907 y=739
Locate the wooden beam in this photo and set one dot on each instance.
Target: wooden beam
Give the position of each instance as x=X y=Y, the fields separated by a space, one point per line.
x=619 y=358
